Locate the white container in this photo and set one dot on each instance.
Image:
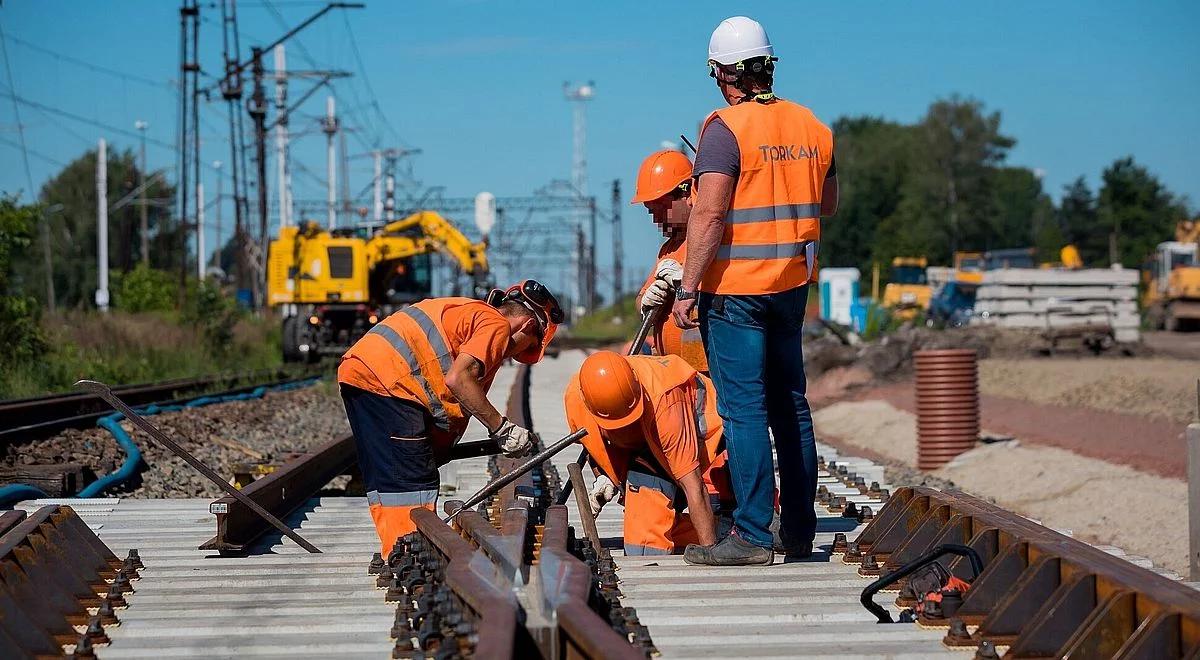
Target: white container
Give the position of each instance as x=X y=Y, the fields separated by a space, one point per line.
x=839 y=290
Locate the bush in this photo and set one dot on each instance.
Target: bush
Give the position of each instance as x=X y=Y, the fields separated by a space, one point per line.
x=20 y=334
x=215 y=314
x=144 y=289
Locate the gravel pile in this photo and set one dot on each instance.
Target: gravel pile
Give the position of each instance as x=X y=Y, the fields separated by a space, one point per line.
x=221 y=435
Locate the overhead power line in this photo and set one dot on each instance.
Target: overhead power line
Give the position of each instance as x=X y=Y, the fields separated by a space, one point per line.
x=94 y=67
x=49 y=159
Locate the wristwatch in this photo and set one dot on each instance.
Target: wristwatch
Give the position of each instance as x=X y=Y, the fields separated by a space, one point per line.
x=683 y=294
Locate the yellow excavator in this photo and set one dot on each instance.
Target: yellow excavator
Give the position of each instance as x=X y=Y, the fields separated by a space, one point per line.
x=1171 y=297
x=907 y=291
x=331 y=287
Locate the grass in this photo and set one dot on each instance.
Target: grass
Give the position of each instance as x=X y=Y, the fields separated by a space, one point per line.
x=609 y=324
x=121 y=347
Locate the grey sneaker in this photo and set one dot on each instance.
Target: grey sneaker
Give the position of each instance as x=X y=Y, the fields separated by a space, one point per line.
x=732 y=551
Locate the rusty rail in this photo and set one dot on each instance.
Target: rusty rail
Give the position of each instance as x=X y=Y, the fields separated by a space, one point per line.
x=1041 y=593
x=53 y=568
x=281 y=493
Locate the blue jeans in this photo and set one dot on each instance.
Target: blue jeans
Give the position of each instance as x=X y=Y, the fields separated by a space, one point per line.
x=757 y=365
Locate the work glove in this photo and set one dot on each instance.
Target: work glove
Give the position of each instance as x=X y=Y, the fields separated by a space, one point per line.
x=603 y=491
x=656 y=294
x=514 y=440
x=670 y=271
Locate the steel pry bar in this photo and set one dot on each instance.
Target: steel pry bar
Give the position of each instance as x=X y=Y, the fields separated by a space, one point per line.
x=105 y=392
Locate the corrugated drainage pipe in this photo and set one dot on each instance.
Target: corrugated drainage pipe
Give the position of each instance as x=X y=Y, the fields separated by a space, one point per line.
x=947 y=383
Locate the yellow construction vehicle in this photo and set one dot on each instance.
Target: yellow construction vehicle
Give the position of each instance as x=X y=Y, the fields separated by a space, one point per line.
x=968 y=267
x=907 y=291
x=332 y=287
x=1171 y=297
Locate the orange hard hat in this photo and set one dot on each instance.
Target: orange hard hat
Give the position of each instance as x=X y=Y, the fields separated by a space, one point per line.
x=610 y=390
x=660 y=173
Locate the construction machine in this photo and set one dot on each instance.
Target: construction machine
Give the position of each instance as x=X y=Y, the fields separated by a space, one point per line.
x=907 y=291
x=331 y=287
x=1171 y=297
x=968 y=267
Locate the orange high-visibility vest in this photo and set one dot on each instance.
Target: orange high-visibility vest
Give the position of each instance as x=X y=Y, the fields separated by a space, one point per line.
x=773 y=226
x=658 y=376
x=669 y=339
x=410 y=353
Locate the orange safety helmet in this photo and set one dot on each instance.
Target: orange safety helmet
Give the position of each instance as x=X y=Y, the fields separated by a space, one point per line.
x=610 y=390
x=661 y=172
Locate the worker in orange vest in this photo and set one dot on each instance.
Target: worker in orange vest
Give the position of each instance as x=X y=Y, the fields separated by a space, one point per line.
x=412 y=382
x=764 y=177
x=652 y=427
x=663 y=182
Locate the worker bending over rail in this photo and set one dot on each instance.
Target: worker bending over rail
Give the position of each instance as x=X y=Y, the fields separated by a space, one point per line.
x=764 y=178
x=412 y=382
x=652 y=427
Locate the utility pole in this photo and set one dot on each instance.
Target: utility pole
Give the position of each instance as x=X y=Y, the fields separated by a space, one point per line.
x=189 y=134
x=102 y=226
x=220 y=246
x=200 y=261
x=617 y=246
x=143 y=220
x=591 y=261
x=578 y=97
x=377 y=207
x=281 y=138
x=330 y=127
x=257 y=108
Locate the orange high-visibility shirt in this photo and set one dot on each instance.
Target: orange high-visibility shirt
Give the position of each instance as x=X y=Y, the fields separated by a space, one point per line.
x=680 y=424
x=408 y=354
x=773 y=226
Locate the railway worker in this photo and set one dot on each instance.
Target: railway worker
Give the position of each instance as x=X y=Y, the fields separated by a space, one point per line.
x=652 y=427
x=663 y=182
x=764 y=177
x=411 y=383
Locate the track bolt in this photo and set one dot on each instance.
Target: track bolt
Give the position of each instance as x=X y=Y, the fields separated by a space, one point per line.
x=932 y=609
x=865 y=514
x=95 y=631
x=107 y=614
x=837 y=505
x=874 y=489
x=986 y=651
x=122 y=582
x=136 y=558
x=958 y=631
x=130 y=569
x=839 y=542
x=83 y=648
x=376 y=564
x=115 y=597
x=869 y=563
x=385 y=577
x=850 y=511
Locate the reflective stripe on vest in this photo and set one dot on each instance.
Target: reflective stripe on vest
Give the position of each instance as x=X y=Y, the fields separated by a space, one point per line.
x=765 y=213
x=701 y=403
x=414 y=498
x=436 y=409
x=635 y=550
x=773 y=251
x=643 y=480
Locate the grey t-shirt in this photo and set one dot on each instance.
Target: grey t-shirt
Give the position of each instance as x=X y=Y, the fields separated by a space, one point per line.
x=718 y=152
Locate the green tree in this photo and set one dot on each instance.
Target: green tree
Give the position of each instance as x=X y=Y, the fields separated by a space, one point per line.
x=20 y=334
x=145 y=289
x=872 y=157
x=70 y=199
x=1078 y=219
x=1022 y=214
x=1135 y=211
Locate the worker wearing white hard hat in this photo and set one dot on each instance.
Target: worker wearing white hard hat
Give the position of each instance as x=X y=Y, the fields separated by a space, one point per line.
x=763 y=178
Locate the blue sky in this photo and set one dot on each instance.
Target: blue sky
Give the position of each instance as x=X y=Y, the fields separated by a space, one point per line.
x=477 y=86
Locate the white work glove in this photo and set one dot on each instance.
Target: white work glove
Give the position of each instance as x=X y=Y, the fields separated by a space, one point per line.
x=656 y=294
x=670 y=271
x=513 y=440
x=603 y=491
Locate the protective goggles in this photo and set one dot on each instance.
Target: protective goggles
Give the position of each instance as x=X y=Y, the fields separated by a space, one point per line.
x=735 y=71
x=535 y=297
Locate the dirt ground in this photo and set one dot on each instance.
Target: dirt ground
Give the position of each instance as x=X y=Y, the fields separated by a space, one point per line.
x=1096 y=500
x=1160 y=387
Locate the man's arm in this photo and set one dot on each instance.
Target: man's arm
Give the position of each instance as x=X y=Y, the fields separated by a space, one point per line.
x=699 y=507
x=465 y=381
x=705 y=228
x=829 y=196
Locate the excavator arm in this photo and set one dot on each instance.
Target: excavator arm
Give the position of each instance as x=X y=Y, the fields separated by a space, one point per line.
x=427 y=231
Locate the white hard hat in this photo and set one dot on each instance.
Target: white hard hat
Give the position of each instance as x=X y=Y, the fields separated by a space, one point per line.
x=739 y=38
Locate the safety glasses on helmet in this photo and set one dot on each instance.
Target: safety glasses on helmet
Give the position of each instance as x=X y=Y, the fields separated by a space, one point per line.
x=535 y=297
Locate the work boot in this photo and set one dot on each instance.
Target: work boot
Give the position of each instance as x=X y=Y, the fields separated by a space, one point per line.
x=732 y=551
x=789 y=547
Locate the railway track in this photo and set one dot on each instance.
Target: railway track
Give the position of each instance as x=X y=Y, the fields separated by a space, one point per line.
x=36 y=417
x=517 y=578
